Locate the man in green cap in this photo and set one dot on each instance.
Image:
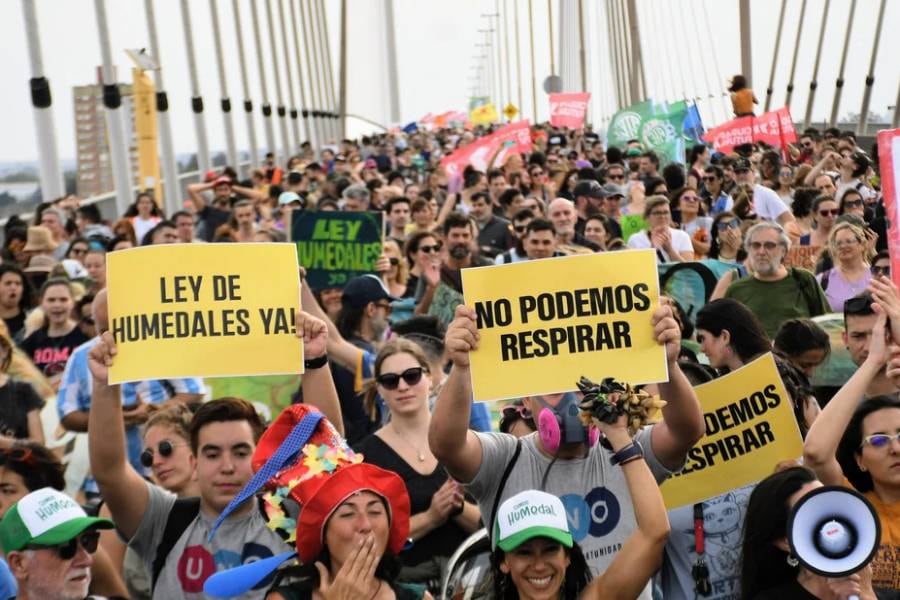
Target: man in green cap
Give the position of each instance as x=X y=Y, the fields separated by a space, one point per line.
x=48 y=541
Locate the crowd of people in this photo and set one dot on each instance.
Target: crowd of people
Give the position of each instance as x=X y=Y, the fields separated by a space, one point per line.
x=404 y=471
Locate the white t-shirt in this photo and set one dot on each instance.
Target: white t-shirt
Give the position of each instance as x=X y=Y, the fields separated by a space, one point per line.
x=766 y=203
x=681 y=242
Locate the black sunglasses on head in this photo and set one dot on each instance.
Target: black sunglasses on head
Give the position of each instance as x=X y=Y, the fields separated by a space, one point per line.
x=67 y=550
x=390 y=381
x=165 y=450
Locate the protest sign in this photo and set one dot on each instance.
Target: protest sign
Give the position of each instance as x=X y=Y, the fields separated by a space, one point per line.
x=666 y=128
x=204 y=310
x=545 y=323
x=889 y=162
x=274 y=392
x=334 y=247
x=804 y=257
x=631 y=224
x=775 y=128
x=569 y=109
x=750 y=428
x=515 y=137
x=484 y=114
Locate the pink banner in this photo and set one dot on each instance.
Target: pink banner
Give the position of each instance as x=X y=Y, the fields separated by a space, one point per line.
x=569 y=109
x=889 y=163
x=775 y=128
x=515 y=137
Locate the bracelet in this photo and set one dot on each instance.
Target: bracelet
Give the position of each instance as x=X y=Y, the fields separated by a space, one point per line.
x=315 y=363
x=630 y=452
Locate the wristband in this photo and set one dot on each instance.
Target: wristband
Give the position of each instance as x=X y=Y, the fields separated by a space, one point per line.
x=630 y=452
x=315 y=363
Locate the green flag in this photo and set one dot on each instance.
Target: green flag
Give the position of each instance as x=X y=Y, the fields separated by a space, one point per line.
x=666 y=128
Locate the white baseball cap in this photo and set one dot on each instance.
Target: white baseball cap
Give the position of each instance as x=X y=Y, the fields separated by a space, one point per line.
x=45 y=517
x=528 y=515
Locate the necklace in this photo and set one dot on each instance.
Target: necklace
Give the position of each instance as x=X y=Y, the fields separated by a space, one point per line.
x=419 y=454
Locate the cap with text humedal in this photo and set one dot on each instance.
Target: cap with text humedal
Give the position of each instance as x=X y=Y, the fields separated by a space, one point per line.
x=45 y=517
x=528 y=515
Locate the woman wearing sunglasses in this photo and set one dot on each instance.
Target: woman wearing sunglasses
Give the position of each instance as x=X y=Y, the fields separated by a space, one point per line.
x=825 y=211
x=422 y=250
x=850 y=274
x=441 y=517
x=727 y=239
x=693 y=219
x=856 y=440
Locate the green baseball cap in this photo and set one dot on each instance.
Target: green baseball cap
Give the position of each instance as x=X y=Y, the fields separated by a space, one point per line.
x=45 y=517
x=528 y=515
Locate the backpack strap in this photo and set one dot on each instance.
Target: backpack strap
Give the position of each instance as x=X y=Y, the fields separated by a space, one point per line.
x=502 y=486
x=183 y=512
x=825 y=276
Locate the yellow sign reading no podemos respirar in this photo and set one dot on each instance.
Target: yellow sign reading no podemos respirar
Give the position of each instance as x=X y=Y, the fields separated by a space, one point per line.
x=543 y=324
x=750 y=428
x=204 y=310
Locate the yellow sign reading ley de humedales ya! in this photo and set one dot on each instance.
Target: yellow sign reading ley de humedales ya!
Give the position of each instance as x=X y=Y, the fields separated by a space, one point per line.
x=750 y=428
x=543 y=324
x=204 y=310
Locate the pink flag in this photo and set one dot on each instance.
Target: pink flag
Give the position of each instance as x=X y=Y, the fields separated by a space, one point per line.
x=889 y=159
x=775 y=128
x=569 y=109
x=515 y=137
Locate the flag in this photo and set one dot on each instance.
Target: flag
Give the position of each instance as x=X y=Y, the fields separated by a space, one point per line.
x=569 y=109
x=411 y=127
x=515 y=137
x=775 y=128
x=484 y=115
x=665 y=128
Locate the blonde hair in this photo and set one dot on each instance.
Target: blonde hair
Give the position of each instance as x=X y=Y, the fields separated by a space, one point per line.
x=394 y=346
x=857 y=232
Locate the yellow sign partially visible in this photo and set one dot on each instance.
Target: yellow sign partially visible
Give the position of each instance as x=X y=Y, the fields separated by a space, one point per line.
x=510 y=111
x=484 y=114
x=750 y=428
x=204 y=310
x=545 y=323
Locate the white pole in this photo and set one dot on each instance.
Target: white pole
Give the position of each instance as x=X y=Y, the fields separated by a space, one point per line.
x=839 y=82
x=329 y=68
x=171 y=189
x=245 y=83
x=393 y=77
x=318 y=74
x=52 y=185
x=230 y=145
x=314 y=105
x=814 y=83
x=870 y=77
x=203 y=162
x=266 y=107
x=304 y=107
x=290 y=80
x=112 y=100
x=282 y=112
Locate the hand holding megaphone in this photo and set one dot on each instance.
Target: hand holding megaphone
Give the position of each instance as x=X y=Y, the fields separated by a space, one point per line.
x=834 y=532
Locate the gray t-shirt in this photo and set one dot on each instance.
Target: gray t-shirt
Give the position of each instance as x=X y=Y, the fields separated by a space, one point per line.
x=723 y=524
x=239 y=540
x=594 y=492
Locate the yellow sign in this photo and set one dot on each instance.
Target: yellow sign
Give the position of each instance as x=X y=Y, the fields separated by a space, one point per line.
x=545 y=323
x=750 y=428
x=204 y=310
x=484 y=114
x=510 y=111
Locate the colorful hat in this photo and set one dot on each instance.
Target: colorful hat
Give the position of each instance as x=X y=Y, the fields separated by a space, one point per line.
x=45 y=517
x=528 y=515
x=302 y=457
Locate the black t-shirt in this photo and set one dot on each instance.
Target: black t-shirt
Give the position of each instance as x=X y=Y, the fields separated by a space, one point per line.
x=442 y=541
x=15 y=324
x=49 y=354
x=788 y=591
x=211 y=218
x=17 y=399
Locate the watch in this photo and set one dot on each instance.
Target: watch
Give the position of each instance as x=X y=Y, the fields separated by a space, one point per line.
x=632 y=451
x=315 y=363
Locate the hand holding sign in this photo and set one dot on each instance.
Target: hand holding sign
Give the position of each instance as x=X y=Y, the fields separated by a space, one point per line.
x=100 y=358
x=666 y=330
x=462 y=336
x=314 y=334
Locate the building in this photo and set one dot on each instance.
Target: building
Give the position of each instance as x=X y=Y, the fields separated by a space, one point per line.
x=95 y=175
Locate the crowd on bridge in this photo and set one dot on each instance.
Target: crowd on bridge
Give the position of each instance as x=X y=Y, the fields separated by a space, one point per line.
x=402 y=473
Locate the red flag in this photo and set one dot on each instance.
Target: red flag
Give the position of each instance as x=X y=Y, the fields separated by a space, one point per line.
x=775 y=128
x=515 y=137
x=569 y=109
x=889 y=161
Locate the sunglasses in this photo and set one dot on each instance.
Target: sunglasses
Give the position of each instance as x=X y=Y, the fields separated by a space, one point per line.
x=430 y=249
x=165 y=450
x=710 y=178
x=726 y=225
x=880 y=440
x=66 y=551
x=537 y=173
x=386 y=306
x=769 y=246
x=391 y=381
x=616 y=177
x=885 y=270
x=853 y=203
x=830 y=213
x=660 y=213
x=691 y=198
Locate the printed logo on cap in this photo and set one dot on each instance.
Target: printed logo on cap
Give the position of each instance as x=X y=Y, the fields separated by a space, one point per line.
x=41 y=512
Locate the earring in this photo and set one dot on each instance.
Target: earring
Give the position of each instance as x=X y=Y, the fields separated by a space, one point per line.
x=792 y=560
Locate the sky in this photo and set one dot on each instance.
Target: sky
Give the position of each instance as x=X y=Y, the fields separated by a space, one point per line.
x=436 y=45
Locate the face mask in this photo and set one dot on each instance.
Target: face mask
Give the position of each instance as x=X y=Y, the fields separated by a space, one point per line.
x=561 y=424
x=461 y=251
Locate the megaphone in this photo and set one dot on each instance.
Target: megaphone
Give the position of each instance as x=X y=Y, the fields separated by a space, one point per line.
x=833 y=531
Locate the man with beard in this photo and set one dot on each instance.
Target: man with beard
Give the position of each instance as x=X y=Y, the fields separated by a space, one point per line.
x=776 y=293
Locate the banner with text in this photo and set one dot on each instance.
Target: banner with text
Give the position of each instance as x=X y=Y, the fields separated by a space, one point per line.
x=750 y=428
x=666 y=128
x=775 y=128
x=512 y=138
x=569 y=109
x=889 y=162
x=545 y=323
x=334 y=247
x=204 y=310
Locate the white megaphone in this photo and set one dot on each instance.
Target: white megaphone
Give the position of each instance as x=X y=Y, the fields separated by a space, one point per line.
x=834 y=532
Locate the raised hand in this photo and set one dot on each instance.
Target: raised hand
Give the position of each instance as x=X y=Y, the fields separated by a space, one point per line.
x=666 y=330
x=462 y=336
x=313 y=332
x=100 y=358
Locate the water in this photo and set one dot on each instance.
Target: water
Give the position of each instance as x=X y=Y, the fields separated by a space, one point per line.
x=19 y=190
